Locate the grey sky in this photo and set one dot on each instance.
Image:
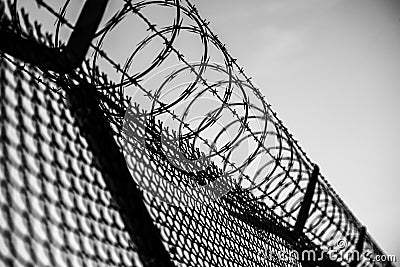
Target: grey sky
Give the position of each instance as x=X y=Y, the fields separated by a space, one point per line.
x=331 y=69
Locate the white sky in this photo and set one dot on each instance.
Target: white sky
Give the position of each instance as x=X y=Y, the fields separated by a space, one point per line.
x=331 y=69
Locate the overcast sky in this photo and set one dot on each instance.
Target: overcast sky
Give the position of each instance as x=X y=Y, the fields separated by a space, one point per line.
x=331 y=69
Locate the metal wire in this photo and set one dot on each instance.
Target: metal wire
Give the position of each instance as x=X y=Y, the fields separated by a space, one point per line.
x=213 y=115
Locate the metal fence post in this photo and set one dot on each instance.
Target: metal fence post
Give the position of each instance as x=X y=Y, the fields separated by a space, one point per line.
x=307 y=200
x=63 y=59
x=146 y=236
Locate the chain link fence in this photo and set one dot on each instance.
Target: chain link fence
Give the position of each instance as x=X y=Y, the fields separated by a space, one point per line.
x=179 y=162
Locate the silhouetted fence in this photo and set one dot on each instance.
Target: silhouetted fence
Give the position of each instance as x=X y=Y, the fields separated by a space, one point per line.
x=179 y=162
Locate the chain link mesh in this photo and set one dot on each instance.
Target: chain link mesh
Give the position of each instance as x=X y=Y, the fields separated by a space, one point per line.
x=57 y=208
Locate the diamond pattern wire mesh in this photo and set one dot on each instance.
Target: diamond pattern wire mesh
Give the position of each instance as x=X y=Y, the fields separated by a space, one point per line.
x=57 y=211
x=56 y=205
